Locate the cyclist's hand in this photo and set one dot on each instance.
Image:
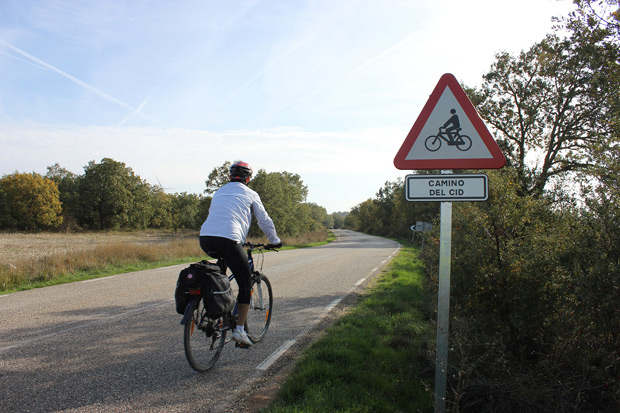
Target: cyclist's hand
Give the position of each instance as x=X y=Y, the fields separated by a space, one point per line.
x=273 y=246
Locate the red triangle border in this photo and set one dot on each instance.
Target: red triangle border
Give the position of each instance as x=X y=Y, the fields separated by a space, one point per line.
x=498 y=160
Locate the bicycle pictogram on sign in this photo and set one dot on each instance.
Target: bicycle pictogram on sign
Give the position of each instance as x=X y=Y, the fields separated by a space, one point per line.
x=450 y=133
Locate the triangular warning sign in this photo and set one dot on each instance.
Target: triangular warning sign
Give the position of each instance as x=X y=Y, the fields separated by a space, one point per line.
x=449 y=134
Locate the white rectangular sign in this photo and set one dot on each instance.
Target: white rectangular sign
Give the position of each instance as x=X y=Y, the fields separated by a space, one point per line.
x=447 y=187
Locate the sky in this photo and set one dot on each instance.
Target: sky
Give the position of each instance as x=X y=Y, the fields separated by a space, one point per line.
x=326 y=89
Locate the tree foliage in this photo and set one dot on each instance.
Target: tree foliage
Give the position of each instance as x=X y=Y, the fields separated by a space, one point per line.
x=162 y=208
x=534 y=298
x=188 y=211
x=29 y=202
x=604 y=14
x=283 y=195
x=338 y=219
x=218 y=177
x=554 y=106
x=109 y=195
x=69 y=192
x=389 y=213
x=113 y=197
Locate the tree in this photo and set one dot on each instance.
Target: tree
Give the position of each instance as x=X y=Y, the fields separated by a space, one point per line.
x=319 y=217
x=203 y=208
x=113 y=197
x=595 y=13
x=389 y=213
x=141 y=209
x=69 y=187
x=186 y=211
x=30 y=202
x=599 y=21
x=161 y=205
x=282 y=194
x=363 y=217
x=558 y=100
x=338 y=219
x=6 y=220
x=218 y=177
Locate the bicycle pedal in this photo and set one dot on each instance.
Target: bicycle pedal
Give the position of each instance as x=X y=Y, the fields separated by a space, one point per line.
x=243 y=346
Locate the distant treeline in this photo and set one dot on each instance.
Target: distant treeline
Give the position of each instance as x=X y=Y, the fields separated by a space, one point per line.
x=110 y=196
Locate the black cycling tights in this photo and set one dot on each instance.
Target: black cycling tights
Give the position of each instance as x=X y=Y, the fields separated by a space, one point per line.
x=236 y=260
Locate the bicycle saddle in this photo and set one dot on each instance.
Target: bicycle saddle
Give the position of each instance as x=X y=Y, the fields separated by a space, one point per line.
x=214 y=254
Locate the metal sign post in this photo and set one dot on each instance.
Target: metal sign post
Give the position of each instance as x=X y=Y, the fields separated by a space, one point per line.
x=443 y=306
x=448 y=134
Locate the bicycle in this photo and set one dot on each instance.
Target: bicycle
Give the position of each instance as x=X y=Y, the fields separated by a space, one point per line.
x=462 y=142
x=204 y=338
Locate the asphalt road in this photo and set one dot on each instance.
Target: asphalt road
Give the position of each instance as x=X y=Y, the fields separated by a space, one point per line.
x=115 y=344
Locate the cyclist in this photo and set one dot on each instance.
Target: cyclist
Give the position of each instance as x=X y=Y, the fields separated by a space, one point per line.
x=226 y=229
x=452 y=126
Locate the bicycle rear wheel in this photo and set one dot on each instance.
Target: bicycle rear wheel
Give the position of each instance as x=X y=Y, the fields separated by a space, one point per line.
x=203 y=337
x=259 y=314
x=433 y=143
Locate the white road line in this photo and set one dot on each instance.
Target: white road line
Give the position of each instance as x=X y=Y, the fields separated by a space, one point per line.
x=330 y=307
x=168 y=267
x=276 y=355
x=288 y=344
x=100 y=278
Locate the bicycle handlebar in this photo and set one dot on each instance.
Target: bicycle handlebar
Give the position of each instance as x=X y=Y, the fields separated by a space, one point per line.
x=261 y=245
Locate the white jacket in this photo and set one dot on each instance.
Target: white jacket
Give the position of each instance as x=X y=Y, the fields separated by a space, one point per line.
x=230 y=214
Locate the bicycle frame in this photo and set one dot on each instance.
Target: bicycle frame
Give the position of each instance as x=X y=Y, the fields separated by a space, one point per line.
x=223 y=267
x=443 y=134
x=204 y=338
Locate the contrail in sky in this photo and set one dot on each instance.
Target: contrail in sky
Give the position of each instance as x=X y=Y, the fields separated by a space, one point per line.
x=68 y=76
x=330 y=84
x=134 y=112
x=385 y=52
x=329 y=21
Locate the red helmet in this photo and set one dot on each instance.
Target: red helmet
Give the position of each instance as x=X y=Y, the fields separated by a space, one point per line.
x=240 y=171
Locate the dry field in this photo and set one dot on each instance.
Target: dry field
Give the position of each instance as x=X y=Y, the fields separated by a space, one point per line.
x=18 y=247
x=30 y=260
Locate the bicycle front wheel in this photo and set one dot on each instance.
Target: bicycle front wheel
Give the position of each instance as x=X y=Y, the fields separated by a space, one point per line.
x=464 y=143
x=203 y=337
x=259 y=314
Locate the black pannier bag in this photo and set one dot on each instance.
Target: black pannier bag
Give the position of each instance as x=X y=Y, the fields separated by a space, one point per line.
x=218 y=295
x=191 y=277
x=216 y=289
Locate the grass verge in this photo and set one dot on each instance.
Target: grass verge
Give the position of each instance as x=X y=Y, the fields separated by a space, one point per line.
x=376 y=357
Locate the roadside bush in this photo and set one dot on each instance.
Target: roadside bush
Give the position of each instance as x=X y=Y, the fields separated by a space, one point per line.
x=535 y=295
